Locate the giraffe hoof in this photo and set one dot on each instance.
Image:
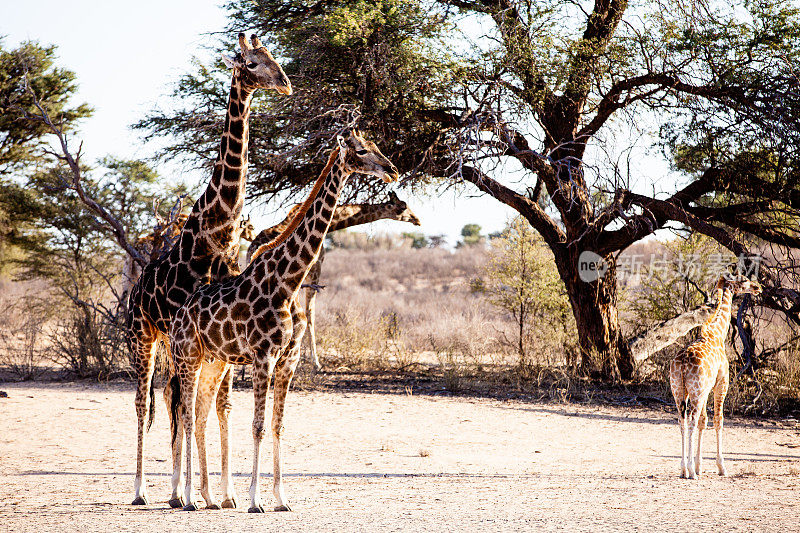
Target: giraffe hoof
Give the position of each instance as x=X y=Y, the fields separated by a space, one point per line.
x=140 y=500
x=191 y=506
x=229 y=503
x=213 y=507
x=282 y=508
x=256 y=509
x=176 y=503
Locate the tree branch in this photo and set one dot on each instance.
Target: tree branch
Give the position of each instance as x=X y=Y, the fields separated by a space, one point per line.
x=73 y=162
x=528 y=208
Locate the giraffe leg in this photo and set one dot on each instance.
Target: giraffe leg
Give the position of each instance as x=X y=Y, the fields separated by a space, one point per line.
x=693 y=412
x=680 y=397
x=210 y=377
x=143 y=345
x=262 y=371
x=283 y=378
x=176 y=428
x=701 y=425
x=188 y=372
x=229 y=499
x=682 y=422
x=311 y=304
x=720 y=390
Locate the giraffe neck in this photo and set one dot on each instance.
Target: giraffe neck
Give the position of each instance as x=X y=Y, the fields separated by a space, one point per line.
x=220 y=206
x=356 y=214
x=717 y=326
x=707 y=324
x=300 y=250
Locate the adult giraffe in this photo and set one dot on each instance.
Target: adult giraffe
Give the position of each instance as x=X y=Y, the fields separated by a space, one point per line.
x=208 y=246
x=254 y=317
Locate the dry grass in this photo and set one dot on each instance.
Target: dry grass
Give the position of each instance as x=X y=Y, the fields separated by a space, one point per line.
x=400 y=308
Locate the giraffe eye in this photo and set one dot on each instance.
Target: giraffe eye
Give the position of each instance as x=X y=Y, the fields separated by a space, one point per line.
x=361 y=152
x=251 y=66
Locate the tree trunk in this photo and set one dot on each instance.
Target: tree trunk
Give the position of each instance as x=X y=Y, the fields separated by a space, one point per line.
x=603 y=349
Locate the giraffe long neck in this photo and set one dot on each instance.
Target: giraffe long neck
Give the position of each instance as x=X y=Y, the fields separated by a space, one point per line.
x=298 y=252
x=350 y=215
x=718 y=298
x=717 y=326
x=220 y=206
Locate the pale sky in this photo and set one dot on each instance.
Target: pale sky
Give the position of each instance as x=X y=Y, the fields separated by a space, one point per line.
x=126 y=55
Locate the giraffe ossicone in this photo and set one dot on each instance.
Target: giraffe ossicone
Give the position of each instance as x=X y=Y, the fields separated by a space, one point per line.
x=702 y=368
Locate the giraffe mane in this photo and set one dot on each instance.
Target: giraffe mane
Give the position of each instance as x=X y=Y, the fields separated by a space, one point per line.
x=304 y=207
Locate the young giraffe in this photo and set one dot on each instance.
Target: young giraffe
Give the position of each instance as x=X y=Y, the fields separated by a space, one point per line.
x=344 y=217
x=702 y=367
x=207 y=248
x=254 y=317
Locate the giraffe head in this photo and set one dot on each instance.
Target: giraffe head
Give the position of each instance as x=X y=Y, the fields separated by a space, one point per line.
x=361 y=155
x=401 y=211
x=247 y=229
x=739 y=284
x=256 y=67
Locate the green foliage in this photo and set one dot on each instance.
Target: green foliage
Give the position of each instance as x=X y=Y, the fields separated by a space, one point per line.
x=418 y=240
x=22 y=138
x=377 y=64
x=67 y=239
x=471 y=234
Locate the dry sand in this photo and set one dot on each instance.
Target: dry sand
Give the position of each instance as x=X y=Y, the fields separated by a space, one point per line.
x=379 y=462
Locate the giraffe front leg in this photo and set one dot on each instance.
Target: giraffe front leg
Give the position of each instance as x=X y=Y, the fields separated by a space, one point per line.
x=188 y=375
x=206 y=391
x=283 y=377
x=143 y=345
x=719 y=401
x=262 y=371
x=229 y=499
x=176 y=429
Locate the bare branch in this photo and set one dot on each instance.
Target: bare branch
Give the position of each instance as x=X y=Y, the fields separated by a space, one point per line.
x=73 y=161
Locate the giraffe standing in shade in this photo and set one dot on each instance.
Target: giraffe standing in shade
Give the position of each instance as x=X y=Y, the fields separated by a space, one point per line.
x=254 y=317
x=701 y=368
x=344 y=217
x=207 y=248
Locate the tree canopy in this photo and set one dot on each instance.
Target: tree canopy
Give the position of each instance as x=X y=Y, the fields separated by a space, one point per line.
x=31 y=66
x=540 y=105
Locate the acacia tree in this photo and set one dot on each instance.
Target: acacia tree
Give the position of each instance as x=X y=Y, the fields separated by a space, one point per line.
x=561 y=90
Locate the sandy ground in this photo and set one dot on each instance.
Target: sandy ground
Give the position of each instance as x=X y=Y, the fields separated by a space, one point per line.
x=370 y=462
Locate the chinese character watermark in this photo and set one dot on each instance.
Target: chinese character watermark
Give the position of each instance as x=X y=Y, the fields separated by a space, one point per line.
x=633 y=268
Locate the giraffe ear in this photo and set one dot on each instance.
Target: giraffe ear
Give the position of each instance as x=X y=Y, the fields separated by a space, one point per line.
x=393 y=197
x=340 y=141
x=229 y=61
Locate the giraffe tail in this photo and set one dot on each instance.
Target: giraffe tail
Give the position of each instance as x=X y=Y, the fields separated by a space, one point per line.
x=152 y=412
x=175 y=402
